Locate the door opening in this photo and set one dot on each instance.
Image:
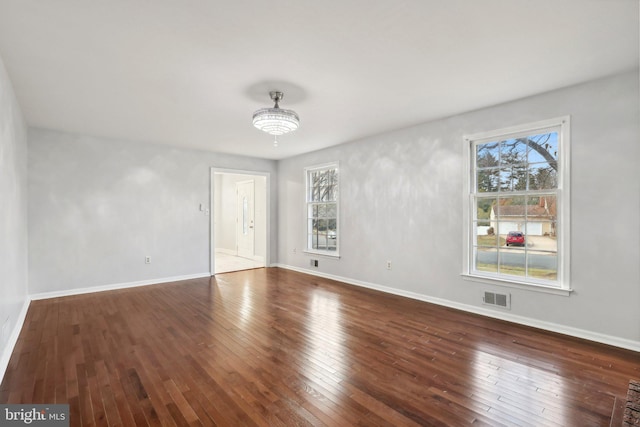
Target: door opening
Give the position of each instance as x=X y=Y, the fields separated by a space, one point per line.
x=240 y=223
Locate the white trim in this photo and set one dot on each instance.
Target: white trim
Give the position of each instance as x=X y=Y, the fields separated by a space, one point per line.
x=501 y=315
x=5 y=357
x=327 y=165
x=517 y=129
x=514 y=284
x=212 y=243
x=327 y=254
x=115 y=286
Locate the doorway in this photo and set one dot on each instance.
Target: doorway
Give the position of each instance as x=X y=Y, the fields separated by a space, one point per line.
x=240 y=223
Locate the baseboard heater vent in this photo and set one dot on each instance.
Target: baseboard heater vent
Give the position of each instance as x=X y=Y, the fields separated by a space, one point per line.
x=498 y=300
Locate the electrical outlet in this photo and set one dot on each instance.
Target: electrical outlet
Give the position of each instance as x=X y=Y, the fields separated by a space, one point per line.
x=388 y=265
x=147 y=259
x=313 y=262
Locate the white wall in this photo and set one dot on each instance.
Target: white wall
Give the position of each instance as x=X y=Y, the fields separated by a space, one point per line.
x=13 y=218
x=99 y=206
x=401 y=200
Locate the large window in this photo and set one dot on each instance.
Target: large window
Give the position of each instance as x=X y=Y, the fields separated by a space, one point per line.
x=518 y=206
x=322 y=209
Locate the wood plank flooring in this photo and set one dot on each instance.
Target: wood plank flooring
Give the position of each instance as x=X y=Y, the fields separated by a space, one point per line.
x=271 y=347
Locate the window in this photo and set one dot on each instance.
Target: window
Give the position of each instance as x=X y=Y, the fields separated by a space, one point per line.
x=322 y=209
x=518 y=205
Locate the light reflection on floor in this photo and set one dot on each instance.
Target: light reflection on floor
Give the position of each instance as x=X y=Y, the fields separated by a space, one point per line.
x=327 y=353
x=501 y=382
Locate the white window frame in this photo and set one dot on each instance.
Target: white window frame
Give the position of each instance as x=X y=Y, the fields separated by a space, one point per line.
x=308 y=202
x=562 y=286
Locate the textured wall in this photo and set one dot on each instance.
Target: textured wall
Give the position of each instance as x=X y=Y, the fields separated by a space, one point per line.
x=99 y=206
x=13 y=212
x=401 y=200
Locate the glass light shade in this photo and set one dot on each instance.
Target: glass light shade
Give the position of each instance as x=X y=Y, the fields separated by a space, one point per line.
x=276 y=121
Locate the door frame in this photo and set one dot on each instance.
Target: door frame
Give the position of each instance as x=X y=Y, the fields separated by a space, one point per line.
x=212 y=186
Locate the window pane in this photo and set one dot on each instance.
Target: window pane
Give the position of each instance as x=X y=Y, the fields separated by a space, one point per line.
x=511 y=207
x=485 y=235
x=487 y=155
x=487 y=180
x=541 y=236
x=322 y=240
x=513 y=178
x=332 y=210
x=542 y=265
x=323 y=193
x=542 y=176
x=513 y=151
x=543 y=148
x=484 y=208
x=333 y=176
x=332 y=239
x=486 y=260
x=540 y=208
x=512 y=261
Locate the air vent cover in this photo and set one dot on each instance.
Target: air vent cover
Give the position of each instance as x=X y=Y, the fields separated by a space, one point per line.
x=497 y=300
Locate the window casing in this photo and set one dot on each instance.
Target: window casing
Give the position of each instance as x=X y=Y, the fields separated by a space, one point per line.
x=517 y=227
x=322 y=209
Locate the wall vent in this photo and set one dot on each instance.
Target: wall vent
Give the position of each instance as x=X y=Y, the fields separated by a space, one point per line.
x=498 y=300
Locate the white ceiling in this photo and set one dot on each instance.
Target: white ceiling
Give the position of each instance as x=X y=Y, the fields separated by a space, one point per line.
x=190 y=73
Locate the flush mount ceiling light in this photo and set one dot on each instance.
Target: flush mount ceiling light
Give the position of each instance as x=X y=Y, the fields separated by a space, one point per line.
x=276 y=121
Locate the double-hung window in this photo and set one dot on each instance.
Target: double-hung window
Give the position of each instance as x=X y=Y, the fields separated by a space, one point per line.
x=517 y=227
x=322 y=209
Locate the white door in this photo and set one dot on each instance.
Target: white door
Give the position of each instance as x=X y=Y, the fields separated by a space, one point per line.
x=245 y=219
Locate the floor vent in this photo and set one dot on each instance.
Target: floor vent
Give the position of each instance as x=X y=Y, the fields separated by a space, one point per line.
x=498 y=300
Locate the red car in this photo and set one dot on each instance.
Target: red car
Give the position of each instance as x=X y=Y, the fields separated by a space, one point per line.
x=515 y=238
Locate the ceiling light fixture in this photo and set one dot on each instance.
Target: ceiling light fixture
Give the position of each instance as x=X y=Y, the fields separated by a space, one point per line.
x=276 y=121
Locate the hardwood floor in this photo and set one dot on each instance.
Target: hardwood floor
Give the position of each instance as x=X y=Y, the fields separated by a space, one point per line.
x=271 y=347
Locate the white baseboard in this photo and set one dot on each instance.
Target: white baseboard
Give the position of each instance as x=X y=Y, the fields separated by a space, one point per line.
x=527 y=321
x=69 y=292
x=5 y=357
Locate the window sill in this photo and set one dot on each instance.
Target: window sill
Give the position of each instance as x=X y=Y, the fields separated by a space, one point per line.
x=322 y=254
x=518 y=285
